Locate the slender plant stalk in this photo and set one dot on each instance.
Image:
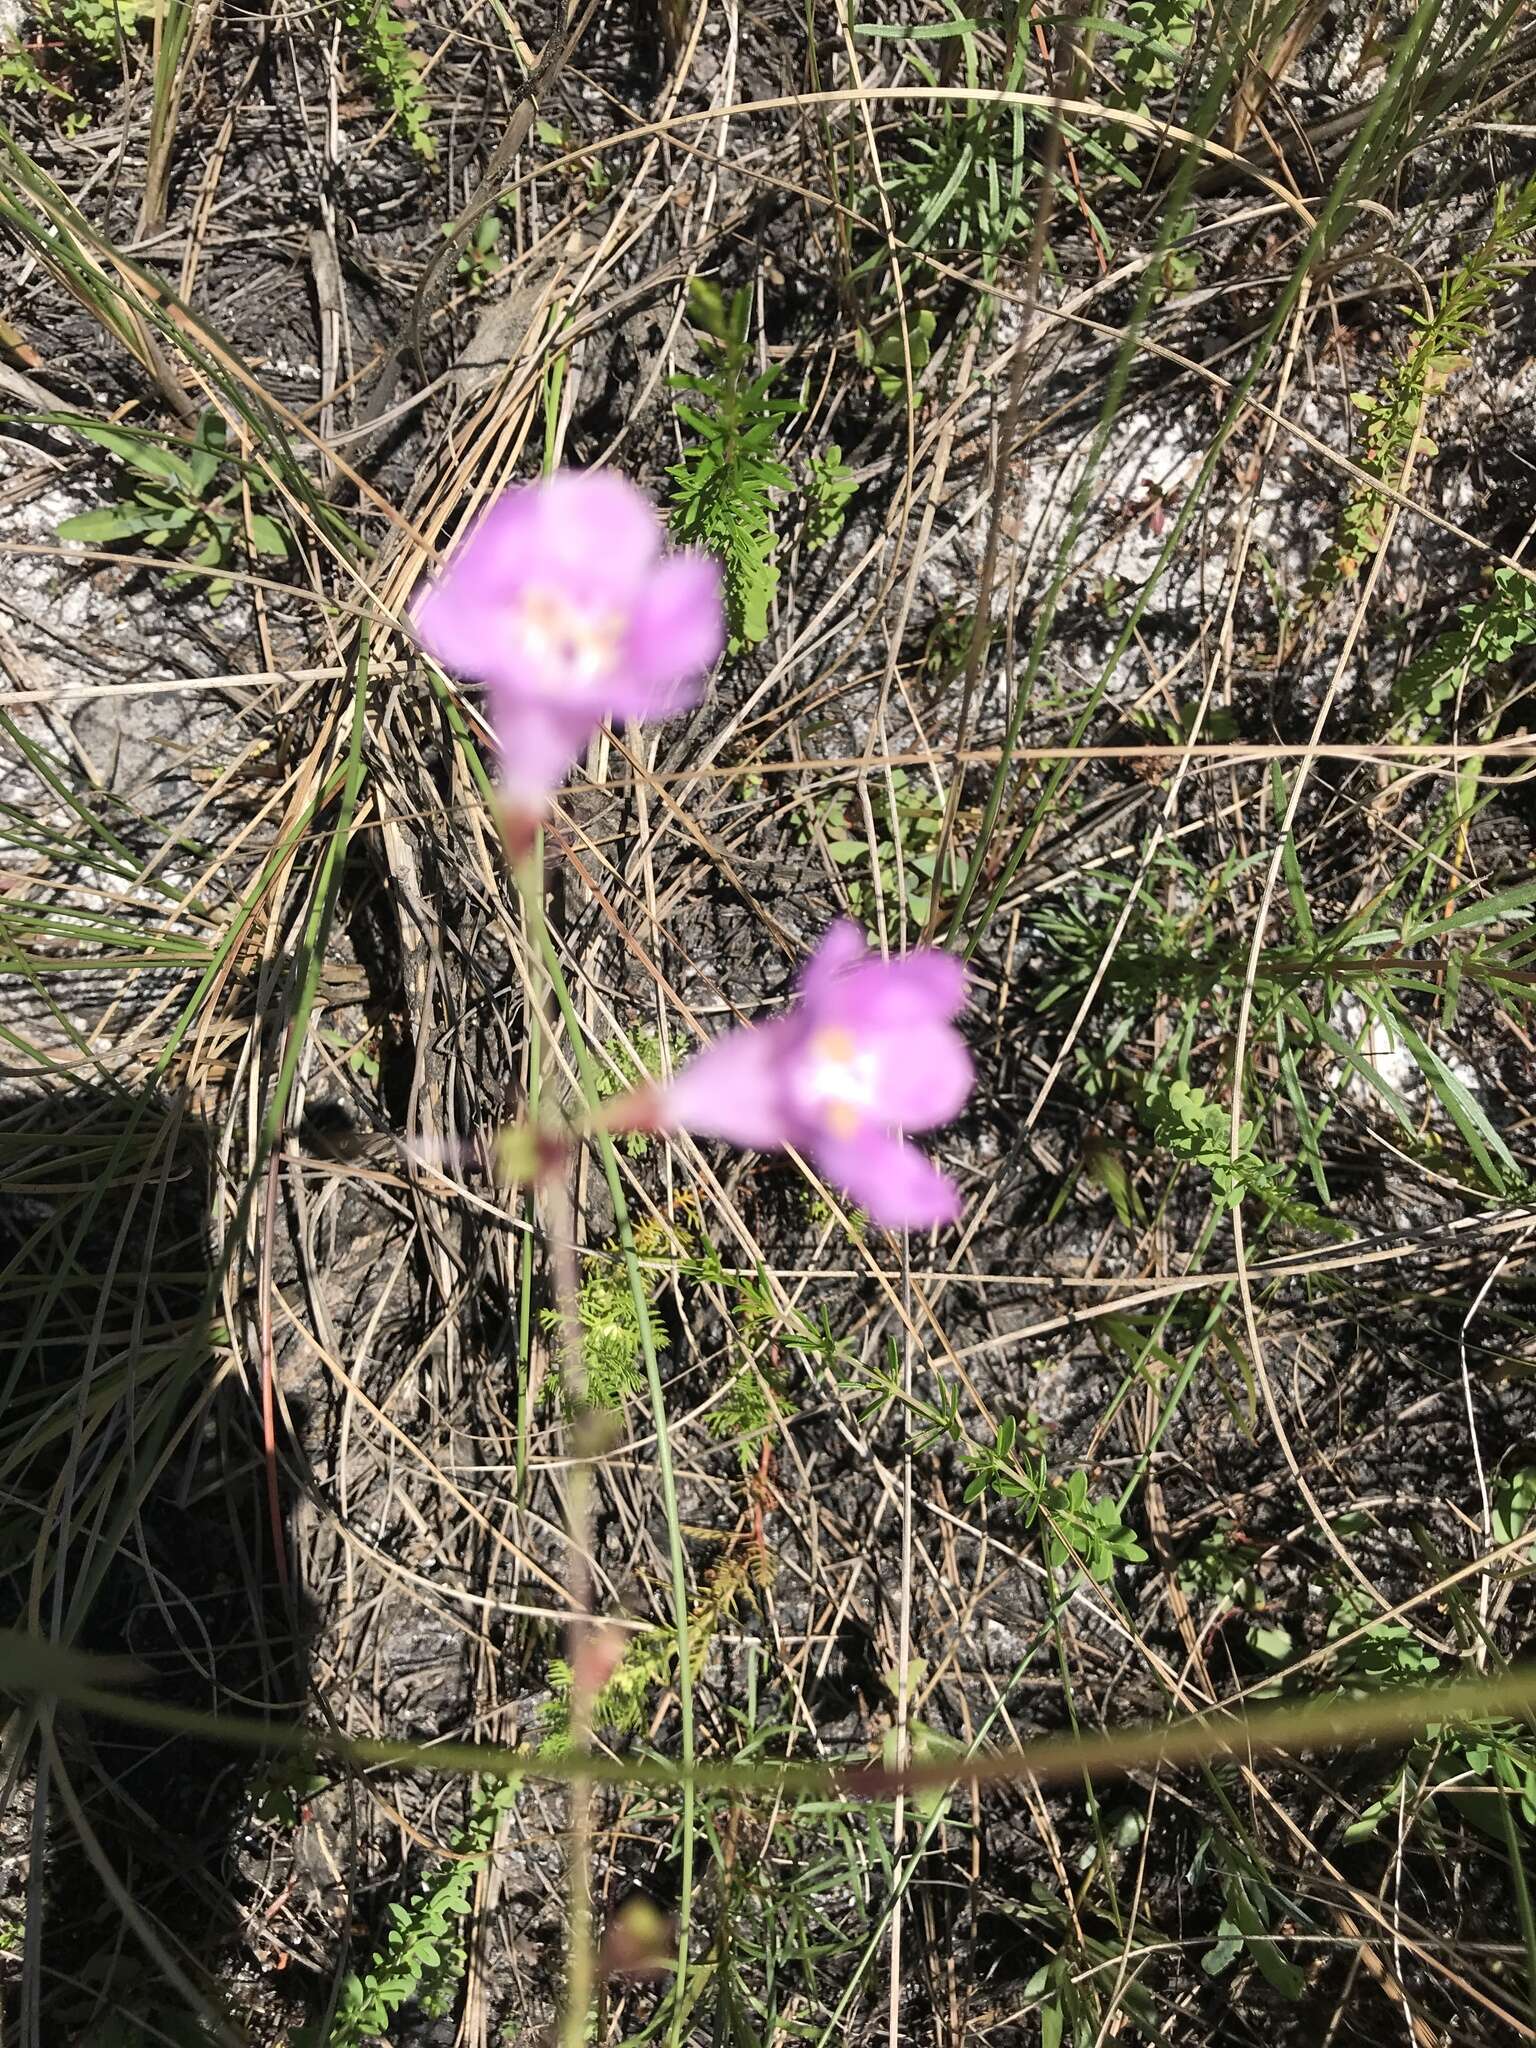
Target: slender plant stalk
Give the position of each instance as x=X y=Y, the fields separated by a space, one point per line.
x=553 y=1190
x=676 y=1550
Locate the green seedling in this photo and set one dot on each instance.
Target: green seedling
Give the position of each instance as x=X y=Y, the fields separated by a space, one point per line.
x=184 y=498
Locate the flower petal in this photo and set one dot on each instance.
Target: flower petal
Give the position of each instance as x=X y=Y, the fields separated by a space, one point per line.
x=676 y=633
x=843 y=947
x=898 y=1186
x=539 y=743
x=459 y=616
x=925 y=987
x=925 y=1075
x=589 y=537
x=596 y=531
x=734 y=1088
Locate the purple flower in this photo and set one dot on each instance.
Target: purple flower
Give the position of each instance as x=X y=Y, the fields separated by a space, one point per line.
x=560 y=601
x=868 y=1052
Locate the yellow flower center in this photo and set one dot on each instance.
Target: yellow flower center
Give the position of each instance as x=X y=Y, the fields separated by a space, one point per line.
x=841 y=1080
x=571 y=645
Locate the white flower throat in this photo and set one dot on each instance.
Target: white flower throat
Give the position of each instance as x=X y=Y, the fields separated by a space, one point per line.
x=571 y=644
x=841 y=1080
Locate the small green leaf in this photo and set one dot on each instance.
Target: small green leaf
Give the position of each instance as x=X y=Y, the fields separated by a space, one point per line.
x=106 y=523
x=268 y=537
x=140 y=452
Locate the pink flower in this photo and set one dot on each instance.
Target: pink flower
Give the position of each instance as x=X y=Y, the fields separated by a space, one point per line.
x=560 y=601
x=868 y=1052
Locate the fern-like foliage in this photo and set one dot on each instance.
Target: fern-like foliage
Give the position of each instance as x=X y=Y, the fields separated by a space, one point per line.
x=744 y=1414
x=1395 y=410
x=727 y=488
x=620 y=1706
x=422 y=1958
x=625 y=1070
x=1488 y=634
x=649 y=1661
x=611 y=1329
x=381 y=41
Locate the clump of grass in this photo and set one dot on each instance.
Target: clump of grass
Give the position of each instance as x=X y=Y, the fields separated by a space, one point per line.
x=961 y=181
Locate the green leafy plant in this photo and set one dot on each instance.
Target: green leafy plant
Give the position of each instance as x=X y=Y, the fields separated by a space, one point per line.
x=1491 y=631
x=961 y=180
x=1221 y=1568
x=1171 y=949
x=1070 y=1988
x=1514 y=1503
x=1250 y=1906
x=909 y=820
x=1374 y=1653
x=727 y=488
x=611 y=1329
x=1476 y=1767
x=184 y=497
x=620 y=1705
x=829 y=486
x=1394 y=412
x=1179 y=270
x=758 y=1388
x=1106 y=1166
x=70 y=31
x=620 y=1070
x=381 y=41
x=1184 y=1123
x=880 y=350
x=1222 y=1571
x=761 y=1318
x=281 y=1789
x=20 y=72
x=479 y=260
x=648 y=1663
x=422 y=1958
x=591 y=176
x=1152 y=45
x=1078 y=1530
x=796 y=1891
x=745 y=1412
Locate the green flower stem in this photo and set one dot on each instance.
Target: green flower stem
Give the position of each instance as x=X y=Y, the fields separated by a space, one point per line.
x=626 y=1236
x=678 y=1556
x=560 y=1239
